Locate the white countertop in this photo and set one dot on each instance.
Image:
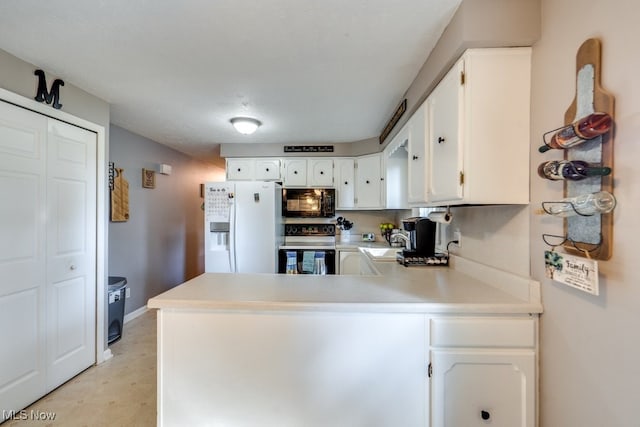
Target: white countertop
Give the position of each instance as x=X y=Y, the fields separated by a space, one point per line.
x=396 y=289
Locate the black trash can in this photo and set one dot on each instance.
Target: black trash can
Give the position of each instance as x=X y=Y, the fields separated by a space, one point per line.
x=117 y=295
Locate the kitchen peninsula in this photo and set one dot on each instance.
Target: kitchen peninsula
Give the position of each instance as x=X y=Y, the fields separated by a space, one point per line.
x=410 y=346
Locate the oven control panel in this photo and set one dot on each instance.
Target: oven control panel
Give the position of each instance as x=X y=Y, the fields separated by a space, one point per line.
x=310 y=229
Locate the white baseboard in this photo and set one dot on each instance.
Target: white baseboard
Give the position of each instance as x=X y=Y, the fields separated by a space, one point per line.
x=106 y=355
x=136 y=313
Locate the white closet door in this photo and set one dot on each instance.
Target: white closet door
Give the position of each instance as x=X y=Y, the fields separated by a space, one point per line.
x=71 y=251
x=22 y=256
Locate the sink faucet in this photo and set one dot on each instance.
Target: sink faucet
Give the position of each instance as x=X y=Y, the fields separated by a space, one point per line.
x=400 y=235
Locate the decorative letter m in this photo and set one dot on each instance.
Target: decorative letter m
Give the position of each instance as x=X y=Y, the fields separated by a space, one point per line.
x=43 y=95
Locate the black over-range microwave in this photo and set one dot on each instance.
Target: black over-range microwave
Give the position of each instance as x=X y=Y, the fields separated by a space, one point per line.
x=309 y=202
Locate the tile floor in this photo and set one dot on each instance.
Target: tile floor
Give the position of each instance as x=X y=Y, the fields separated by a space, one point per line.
x=119 y=392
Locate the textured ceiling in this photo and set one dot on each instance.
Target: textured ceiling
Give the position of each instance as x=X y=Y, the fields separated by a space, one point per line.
x=176 y=71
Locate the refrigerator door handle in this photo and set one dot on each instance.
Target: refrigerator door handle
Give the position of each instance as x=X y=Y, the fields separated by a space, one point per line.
x=232 y=238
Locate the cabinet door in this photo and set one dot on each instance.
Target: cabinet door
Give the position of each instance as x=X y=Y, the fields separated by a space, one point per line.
x=446 y=140
x=240 y=169
x=267 y=169
x=396 y=170
x=345 y=183
x=483 y=387
x=320 y=173
x=369 y=182
x=295 y=172
x=417 y=136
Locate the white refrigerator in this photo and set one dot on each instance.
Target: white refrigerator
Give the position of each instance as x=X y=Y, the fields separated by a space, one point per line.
x=243 y=227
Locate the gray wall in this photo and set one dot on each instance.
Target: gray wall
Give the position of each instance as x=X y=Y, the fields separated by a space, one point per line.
x=590 y=345
x=161 y=245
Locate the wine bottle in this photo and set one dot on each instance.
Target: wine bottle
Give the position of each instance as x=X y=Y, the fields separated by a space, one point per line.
x=584 y=204
x=579 y=131
x=572 y=170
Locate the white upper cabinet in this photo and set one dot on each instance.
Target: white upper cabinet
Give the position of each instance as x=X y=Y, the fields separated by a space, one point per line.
x=445 y=172
x=479 y=130
x=240 y=169
x=417 y=131
x=267 y=170
x=294 y=172
x=320 y=173
x=369 y=179
x=298 y=172
x=250 y=169
x=396 y=171
x=345 y=178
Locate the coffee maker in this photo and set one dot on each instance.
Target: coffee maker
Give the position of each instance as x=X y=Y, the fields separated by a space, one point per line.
x=422 y=237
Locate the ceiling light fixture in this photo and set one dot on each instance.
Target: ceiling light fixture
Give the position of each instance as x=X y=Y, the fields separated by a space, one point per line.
x=245 y=125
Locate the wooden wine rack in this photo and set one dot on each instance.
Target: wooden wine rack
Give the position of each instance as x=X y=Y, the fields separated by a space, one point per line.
x=590 y=234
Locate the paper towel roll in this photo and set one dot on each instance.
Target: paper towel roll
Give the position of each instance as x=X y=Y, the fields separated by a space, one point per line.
x=441 y=217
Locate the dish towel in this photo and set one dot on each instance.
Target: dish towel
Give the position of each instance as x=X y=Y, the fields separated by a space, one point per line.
x=307 y=261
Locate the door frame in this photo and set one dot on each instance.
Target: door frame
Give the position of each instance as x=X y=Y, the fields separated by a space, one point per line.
x=102 y=351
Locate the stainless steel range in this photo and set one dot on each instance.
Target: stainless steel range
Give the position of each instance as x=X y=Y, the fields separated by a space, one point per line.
x=312 y=244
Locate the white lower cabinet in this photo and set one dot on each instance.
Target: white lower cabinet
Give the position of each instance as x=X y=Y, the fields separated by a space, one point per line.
x=483 y=371
x=346 y=368
x=482 y=387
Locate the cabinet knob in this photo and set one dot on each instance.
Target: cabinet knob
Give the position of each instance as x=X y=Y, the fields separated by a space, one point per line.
x=238 y=169
x=346 y=183
x=440 y=140
x=72 y=267
x=415 y=157
x=321 y=172
x=485 y=415
x=295 y=172
x=267 y=169
x=367 y=181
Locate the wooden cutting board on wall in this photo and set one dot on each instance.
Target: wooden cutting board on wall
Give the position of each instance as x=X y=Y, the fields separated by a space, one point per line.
x=120 y=197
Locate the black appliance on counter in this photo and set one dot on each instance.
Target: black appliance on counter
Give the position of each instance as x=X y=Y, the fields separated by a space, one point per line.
x=422 y=240
x=309 y=202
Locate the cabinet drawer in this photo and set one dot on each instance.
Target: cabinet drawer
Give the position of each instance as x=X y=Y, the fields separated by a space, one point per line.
x=483 y=332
